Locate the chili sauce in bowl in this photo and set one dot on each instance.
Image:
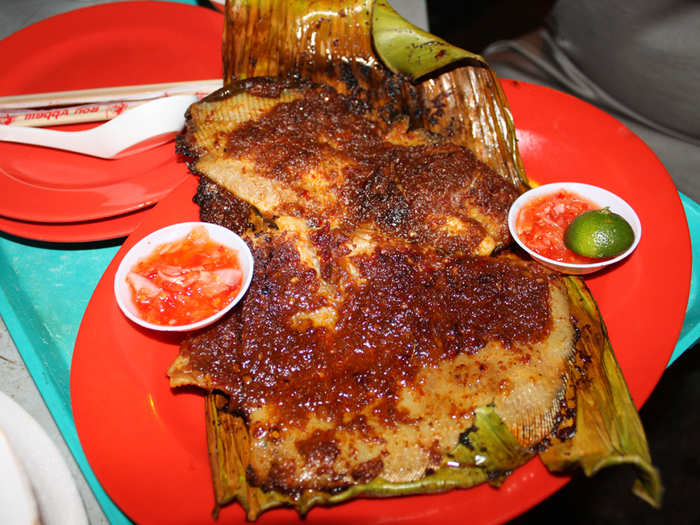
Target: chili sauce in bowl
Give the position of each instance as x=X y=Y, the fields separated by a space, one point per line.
x=538 y=220
x=183 y=277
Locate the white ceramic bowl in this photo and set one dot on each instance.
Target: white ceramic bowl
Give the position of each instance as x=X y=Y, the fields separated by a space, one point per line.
x=603 y=198
x=171 y=233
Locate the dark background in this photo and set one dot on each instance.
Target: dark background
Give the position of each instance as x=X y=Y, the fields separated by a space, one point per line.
x=472 y=25
x=671 y=416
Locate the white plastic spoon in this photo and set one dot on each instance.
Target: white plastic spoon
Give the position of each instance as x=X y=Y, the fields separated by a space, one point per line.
x=135 y=130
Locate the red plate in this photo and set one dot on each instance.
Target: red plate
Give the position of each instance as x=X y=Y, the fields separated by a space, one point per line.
x=107 y=45
x=84 y=231
x=146 y=443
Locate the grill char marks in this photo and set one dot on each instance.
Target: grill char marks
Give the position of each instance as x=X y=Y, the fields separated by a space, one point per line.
x=369 y=334
x=334 y=347
x=383 y=360
x=311 y=153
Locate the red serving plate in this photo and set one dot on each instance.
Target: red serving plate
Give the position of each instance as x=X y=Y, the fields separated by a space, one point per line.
x=146 y=442
x=124 y=43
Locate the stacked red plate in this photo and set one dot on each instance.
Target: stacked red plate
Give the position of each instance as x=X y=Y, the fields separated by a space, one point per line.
x=52 y=195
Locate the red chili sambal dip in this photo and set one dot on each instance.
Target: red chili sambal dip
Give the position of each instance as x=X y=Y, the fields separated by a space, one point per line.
x=542 y=222
x=185 y=281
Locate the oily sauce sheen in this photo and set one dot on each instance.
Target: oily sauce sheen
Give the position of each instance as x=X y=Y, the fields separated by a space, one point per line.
x=396 y=185
x=409 y=306
x=419 y=310
x=381 y=313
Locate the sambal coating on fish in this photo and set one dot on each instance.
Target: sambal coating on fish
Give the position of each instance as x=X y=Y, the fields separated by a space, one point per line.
x=377 y=321
x=307 y=152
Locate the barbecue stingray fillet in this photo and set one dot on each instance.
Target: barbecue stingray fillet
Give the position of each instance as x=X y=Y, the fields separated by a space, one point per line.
x=376 y=321
x=303 y=151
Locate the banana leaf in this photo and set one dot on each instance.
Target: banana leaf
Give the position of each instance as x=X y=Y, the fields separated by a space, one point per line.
x=364 y=48
x=331 y=42
x=487 y=452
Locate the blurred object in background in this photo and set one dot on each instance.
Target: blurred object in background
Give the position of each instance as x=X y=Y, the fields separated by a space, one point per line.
x=640 y=61
x=475 y=24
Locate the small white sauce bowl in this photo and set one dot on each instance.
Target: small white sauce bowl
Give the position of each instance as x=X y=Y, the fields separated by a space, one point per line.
x=602 y=198
x=172 y=233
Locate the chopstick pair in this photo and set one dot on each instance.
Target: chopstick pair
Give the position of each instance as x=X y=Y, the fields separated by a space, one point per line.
x=91 y=105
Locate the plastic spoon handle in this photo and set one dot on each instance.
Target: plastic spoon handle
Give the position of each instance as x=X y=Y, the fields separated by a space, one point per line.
x=66 y=140
x=140 y=128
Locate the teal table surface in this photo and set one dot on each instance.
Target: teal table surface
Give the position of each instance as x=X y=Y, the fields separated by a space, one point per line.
x=45 y=289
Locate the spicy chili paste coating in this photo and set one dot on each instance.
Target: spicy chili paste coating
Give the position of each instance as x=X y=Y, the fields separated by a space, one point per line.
x=312 y=153
x=377 y=319
x=413 y=311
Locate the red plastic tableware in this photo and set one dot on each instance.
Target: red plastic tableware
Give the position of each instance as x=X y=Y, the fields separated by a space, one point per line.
x=103 y=46
x=146 y=442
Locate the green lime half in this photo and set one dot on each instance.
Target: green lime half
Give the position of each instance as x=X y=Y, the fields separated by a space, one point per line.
x=599 y=234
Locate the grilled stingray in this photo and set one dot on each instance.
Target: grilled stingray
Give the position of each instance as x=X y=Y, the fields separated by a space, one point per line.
x=306 y=152
x=377 y=322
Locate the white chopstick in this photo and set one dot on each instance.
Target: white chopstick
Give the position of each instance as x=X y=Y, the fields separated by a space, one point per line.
x=91 y=105
x=110 y=94
x=53 y=116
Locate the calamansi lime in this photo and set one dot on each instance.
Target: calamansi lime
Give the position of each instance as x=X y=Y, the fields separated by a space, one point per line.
x=599 y=233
